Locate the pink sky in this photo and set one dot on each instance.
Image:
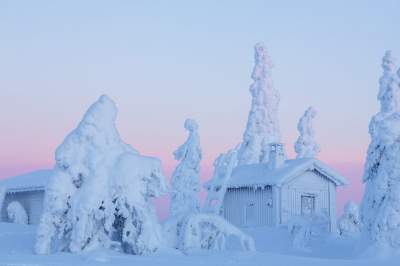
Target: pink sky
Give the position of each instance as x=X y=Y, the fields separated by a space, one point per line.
x=164 y=62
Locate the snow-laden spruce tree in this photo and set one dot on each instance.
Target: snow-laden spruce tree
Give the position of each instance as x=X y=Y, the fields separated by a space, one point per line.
x=186 y=177
x=349 y=223
x=187 y=227
x=306 y=146
x=16 y=213
x=185 y=183
x=262 y=124
x=100 y=191
x=380 y=209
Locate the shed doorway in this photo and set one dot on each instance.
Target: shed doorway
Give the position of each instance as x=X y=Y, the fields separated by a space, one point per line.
x=250 y=214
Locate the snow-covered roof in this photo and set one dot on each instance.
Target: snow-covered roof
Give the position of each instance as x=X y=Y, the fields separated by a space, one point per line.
x=261 y=174
x=36 y=180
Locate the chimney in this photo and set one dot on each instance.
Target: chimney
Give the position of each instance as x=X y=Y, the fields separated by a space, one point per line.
x=276 y=155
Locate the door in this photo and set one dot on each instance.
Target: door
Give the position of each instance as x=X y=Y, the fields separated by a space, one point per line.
x=250 y=214
x=307 y=205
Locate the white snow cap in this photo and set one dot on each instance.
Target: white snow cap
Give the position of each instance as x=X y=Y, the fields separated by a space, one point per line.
x=387 y=84
x=263 y=63
x=306 y=146
x=262 y=124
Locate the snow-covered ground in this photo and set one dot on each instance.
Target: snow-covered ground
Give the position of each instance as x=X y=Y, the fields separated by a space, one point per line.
x=273 y=245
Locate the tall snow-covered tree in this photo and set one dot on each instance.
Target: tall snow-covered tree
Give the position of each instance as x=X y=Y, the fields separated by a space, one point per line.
x=100 y=191
x=262 y=124
x=380 y=207
x=187 y=228
x=306 y=146
x=185 y=184
x=186 y=177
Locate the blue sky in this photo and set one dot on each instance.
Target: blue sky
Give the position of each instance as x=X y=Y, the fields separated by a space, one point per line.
x=163 y=61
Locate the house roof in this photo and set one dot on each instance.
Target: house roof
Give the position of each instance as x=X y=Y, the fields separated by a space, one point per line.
x=36 y=180
x=261 y=174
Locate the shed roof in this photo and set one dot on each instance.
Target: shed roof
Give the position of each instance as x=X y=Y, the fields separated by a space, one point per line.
x=36 y=180
x=261 y=174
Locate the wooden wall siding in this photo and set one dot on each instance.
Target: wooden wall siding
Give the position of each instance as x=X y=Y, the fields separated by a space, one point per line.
x=332 y=210
x=237 y=206
x=32 y=201
x=308 y=183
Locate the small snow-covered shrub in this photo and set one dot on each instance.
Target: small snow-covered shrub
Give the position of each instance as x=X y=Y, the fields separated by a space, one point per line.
x=16 y=213
x=300 y=229
x=349 y=223
x=209 y=232
x=303 y=228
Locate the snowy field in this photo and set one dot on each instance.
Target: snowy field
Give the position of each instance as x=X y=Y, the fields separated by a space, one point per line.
x=274 y=248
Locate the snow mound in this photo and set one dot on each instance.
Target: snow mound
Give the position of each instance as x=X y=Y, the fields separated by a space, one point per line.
x=16 y=213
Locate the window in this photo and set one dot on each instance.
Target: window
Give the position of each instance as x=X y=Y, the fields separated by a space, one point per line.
x=307 y=204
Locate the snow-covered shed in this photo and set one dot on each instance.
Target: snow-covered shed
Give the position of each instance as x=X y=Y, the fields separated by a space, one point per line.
x=28 y=190
x=269 y=194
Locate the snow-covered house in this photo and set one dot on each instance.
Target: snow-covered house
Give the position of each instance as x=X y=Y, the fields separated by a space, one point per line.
x=28 y=190
x=270 y=194
x=255 y=184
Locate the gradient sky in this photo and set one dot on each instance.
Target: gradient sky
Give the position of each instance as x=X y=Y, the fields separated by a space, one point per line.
x=164 y=61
